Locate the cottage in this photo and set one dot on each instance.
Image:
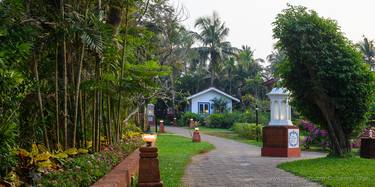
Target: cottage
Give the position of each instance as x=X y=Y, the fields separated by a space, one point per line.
x=202 y=102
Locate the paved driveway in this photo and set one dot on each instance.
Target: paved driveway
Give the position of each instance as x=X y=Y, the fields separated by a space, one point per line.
x=237 y=164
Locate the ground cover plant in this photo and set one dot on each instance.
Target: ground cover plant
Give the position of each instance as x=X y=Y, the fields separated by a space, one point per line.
x=175 y=153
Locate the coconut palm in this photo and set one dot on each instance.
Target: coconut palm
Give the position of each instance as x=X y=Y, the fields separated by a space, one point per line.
x=368 y=49
x=212 y=34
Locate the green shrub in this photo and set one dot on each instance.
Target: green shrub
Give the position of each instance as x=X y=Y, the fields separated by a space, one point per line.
x=225 y=120
x=8 y=138
x=186 y=116
x=248 y=130
x=215 y=120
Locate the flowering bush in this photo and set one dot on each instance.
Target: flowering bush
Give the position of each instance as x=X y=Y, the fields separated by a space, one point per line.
x=314 y=135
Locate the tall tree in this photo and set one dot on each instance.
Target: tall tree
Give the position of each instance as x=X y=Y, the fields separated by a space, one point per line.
x=329 y=81
x=212 y=35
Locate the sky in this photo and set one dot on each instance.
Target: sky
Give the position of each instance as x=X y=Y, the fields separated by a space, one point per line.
x=250 y=21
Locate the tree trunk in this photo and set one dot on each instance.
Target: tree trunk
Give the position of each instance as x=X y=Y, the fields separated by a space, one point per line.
x=57 y=97
x=97 y=102
x=340 y=144
x=122 y=72
x=114 y=140
x=93 y=134
x=41 y=105
x=109 y=126
x=82 y=120
x=65 y=98
x=65 y=115
x=339 y=141
x=76 y=99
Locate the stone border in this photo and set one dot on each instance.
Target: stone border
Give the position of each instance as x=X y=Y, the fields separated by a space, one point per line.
x=121 y=175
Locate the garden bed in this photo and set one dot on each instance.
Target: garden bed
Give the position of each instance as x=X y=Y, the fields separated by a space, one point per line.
x=86 y=169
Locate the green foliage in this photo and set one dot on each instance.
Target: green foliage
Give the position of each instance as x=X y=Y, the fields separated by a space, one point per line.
x=175 y=153
x=186 y=116
x=323 y=66
x=229 y=134
x=248 y=130
x=225 y=120
x=14 y=50
x=335 y=172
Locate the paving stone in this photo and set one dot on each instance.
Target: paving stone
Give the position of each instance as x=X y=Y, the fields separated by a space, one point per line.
x=237 y=164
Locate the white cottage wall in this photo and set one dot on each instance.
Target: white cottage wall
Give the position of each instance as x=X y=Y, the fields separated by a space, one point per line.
x=207 y=97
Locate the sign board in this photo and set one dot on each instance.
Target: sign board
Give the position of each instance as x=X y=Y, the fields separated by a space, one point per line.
x=150 y=118
x=150 y=110
x=293 y=138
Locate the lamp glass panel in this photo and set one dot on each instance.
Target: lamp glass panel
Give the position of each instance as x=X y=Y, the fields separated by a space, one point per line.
x=283 y=110
x=276 y=110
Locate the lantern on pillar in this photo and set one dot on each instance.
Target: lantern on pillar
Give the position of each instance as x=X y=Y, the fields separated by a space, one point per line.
x=280 y=137
x=280 y=109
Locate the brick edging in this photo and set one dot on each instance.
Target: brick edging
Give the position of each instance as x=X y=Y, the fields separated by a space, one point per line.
x=120 y=175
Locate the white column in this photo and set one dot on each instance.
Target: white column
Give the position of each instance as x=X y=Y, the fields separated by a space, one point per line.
x=279 y=110
x=272 y=113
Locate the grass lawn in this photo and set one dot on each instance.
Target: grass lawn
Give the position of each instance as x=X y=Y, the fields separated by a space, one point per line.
x=226 y=133
x=175 y=153
x=331 y=171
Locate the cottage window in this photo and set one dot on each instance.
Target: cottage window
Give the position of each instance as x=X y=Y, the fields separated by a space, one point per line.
x=204 y=108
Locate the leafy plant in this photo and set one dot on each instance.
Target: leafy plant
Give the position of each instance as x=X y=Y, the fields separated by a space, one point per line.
x=225 y=120
x=186 y=116
x=248 y=130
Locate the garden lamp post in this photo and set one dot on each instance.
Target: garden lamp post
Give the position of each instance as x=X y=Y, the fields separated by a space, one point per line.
x=161 y=126
x=280 y=137
x=149 y=171
x=257 y=121
x=196 y=135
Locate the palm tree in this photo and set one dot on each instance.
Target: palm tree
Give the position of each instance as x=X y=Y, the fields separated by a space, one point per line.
x=368 y=49
x=212 y=36
x=275 y=58
x=230 y=67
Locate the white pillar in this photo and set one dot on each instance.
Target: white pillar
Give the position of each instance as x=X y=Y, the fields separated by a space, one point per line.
x=279 y=101
x=272 y=113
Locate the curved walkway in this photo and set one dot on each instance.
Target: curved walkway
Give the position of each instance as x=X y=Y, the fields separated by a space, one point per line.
x=237 y=164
